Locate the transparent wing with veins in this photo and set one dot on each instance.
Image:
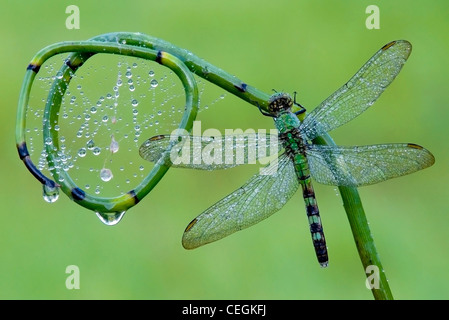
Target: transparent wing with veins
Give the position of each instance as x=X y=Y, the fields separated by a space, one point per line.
x=208 y=152
x=365 y=165
x=360 y=92
x=255 y=201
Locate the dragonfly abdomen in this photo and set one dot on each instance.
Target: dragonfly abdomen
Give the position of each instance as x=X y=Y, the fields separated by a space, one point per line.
x=313 y=216
x=295 y=150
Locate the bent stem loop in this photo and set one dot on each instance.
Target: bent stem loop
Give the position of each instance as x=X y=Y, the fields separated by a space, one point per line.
x=83 y=50
x=183 y=63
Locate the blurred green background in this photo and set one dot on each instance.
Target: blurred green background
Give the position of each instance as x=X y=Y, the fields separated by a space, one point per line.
x=312 y=47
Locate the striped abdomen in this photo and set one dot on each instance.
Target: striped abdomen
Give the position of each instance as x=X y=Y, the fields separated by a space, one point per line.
x=294 y=147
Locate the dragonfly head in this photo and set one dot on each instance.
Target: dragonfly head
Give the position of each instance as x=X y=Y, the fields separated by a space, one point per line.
x=279 y=102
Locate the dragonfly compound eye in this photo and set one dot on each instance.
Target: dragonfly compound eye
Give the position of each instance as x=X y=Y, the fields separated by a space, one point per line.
x=280 y=101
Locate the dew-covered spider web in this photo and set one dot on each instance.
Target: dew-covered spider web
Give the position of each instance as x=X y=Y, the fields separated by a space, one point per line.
x=111 y=106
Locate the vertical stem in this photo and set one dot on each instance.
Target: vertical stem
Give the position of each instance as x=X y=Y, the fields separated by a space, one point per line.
x=362 y=235
x=364 y=240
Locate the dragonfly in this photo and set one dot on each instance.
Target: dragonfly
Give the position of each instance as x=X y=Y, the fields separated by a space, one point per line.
x=299 y=159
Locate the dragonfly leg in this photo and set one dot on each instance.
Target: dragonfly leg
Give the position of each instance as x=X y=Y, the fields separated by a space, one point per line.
x=263 y=112
x=302 y=110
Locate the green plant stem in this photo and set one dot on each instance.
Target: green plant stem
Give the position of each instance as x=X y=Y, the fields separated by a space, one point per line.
x=362 y=234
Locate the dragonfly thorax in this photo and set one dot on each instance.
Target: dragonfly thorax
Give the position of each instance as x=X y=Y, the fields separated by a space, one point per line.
x=279 y=102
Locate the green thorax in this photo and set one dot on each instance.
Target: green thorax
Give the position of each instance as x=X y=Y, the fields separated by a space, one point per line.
x=286 y=121
x=287 y=124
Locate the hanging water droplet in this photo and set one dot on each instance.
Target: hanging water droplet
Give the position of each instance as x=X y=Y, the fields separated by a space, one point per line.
x=96 y=151
x=114 y=145
x=154 y=83
x=90 y=144
x=106 y=174
x=110 y=218
x=82 y=152
x=51 y=194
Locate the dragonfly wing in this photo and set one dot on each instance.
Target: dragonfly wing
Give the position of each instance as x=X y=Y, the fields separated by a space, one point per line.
x=259 y=198
x=208 y=152
x=360 y=92
x=365 y=165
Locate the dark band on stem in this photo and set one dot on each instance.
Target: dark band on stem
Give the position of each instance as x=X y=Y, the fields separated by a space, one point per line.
x=78 y=194
x=34 y=67
x=23 y=150
x=242 y=87
x=133 y=194
x=159 y=57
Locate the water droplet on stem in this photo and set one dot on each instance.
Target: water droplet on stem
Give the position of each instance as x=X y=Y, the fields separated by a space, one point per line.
x=51 y=194
x=110 y=218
